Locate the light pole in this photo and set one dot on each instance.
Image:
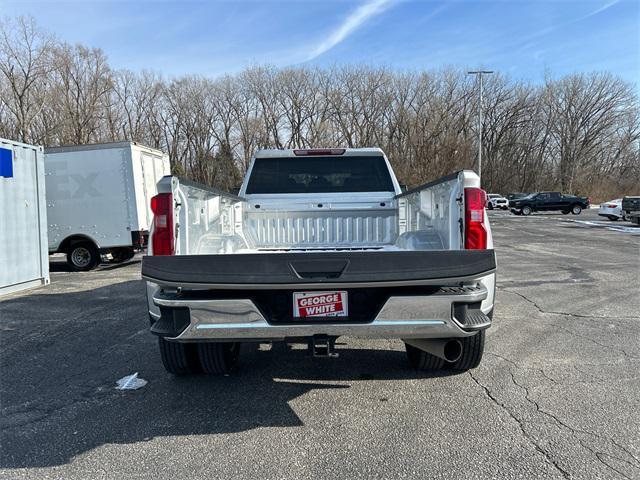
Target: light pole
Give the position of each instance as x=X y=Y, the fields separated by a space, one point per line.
x=479 y=74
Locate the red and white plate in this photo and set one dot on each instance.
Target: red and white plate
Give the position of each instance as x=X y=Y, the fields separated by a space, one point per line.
x=320 y=304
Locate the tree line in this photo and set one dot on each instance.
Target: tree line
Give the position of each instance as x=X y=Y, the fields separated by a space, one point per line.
x=579 y=133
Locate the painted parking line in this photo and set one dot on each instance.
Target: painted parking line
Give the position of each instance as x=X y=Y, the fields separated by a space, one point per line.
x=607 y=225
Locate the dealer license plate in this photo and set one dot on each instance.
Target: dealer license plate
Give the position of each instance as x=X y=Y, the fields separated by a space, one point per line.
x=320 y=304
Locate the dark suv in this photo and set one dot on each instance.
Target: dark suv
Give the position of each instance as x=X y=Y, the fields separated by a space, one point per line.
x=547 y=202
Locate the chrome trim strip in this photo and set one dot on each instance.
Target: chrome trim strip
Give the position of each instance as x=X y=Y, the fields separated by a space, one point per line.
x=377 y=329
x=385 y=323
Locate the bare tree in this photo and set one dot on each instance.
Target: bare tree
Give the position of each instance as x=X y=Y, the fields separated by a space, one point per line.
x=578 y=133
x=25 y=62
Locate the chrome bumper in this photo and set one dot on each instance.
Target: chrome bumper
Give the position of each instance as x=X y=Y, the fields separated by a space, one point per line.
x=429 y=316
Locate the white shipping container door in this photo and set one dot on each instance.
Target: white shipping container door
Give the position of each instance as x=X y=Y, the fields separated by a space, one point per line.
x=149 y=167
x=23 y=242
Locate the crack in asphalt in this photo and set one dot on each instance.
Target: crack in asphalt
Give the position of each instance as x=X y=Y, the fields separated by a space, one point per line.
x=599 y=456
x=576 y=315
x=520 y=424
x=636 y=462
x=566 y=314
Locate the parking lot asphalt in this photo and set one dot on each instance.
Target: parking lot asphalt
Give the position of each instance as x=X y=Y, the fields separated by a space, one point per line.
x=557 y=394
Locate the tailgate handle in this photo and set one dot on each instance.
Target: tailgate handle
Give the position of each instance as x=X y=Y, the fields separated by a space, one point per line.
x=319 y=268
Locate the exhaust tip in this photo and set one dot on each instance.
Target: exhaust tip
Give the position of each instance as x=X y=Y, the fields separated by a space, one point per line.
x=452 y=350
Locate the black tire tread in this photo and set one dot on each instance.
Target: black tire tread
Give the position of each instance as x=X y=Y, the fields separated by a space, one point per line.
x=421 y=360
x=472 y=350
x=178 y=358
x=218 y=358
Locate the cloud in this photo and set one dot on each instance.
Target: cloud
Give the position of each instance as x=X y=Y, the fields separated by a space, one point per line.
x=601 y=9
x=351 y=23
x=553 y=28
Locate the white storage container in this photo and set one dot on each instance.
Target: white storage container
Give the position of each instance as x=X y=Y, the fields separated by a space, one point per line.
x=24 y=259
x=99 y=199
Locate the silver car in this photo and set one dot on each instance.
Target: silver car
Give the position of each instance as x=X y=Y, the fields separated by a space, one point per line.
x=612 y=210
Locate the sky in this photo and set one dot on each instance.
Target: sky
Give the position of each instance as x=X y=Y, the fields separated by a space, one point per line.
x=524 y=39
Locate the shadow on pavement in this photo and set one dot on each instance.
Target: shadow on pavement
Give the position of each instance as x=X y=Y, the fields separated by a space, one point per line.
x=61 y=266
x=62 y=353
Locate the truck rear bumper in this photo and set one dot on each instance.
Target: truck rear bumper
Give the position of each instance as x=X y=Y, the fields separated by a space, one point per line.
x=444 y=313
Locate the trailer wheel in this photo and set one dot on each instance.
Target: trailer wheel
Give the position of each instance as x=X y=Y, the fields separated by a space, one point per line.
x=421 y=360
x=218 y=358
x=179 y=358
x=472 y=350
x=83 y=256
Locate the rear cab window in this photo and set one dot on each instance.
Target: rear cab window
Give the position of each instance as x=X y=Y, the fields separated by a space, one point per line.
x=319 y=174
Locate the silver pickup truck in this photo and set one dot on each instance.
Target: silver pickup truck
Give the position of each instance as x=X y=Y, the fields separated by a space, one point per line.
x=320 y=243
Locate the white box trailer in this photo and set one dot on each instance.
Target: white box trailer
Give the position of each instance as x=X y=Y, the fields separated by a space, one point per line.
x=99 y=200
x=24 y=259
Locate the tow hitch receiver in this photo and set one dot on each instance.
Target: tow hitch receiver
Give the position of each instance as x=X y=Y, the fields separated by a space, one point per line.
x=323 y=346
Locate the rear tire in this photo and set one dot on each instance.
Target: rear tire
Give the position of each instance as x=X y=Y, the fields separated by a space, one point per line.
x=576 y=209
x=179 y=358
x=526 y=211
x=421 y=360
x=83 y=256
x=472 y=350
x=566 y=212
x=613 y=218
x=122 y=254
x=219 y=358
x=490 y=206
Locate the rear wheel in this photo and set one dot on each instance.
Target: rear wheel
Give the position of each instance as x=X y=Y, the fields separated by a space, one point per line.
x=526 y=210
x=179 y=358
x=472 y=350
x=576 y=209
x=83 y=256
x=421 y=360
x=613 y=218
x=122 y=254
x=490 y=206
x=566 y=212
x=219 y=358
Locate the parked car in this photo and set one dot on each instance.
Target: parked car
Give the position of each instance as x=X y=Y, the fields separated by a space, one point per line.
x=548 y=202
x=98 y=200
x=495 y=200
x=631 y=209
x=320 y=243
x=612 y=210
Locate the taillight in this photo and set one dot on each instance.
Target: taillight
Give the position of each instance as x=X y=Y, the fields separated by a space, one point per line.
x=475 y=230
x=162 y=208
x=611 y=206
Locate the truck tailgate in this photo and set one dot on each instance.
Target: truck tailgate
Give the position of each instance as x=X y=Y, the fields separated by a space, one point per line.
x=276 y=270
